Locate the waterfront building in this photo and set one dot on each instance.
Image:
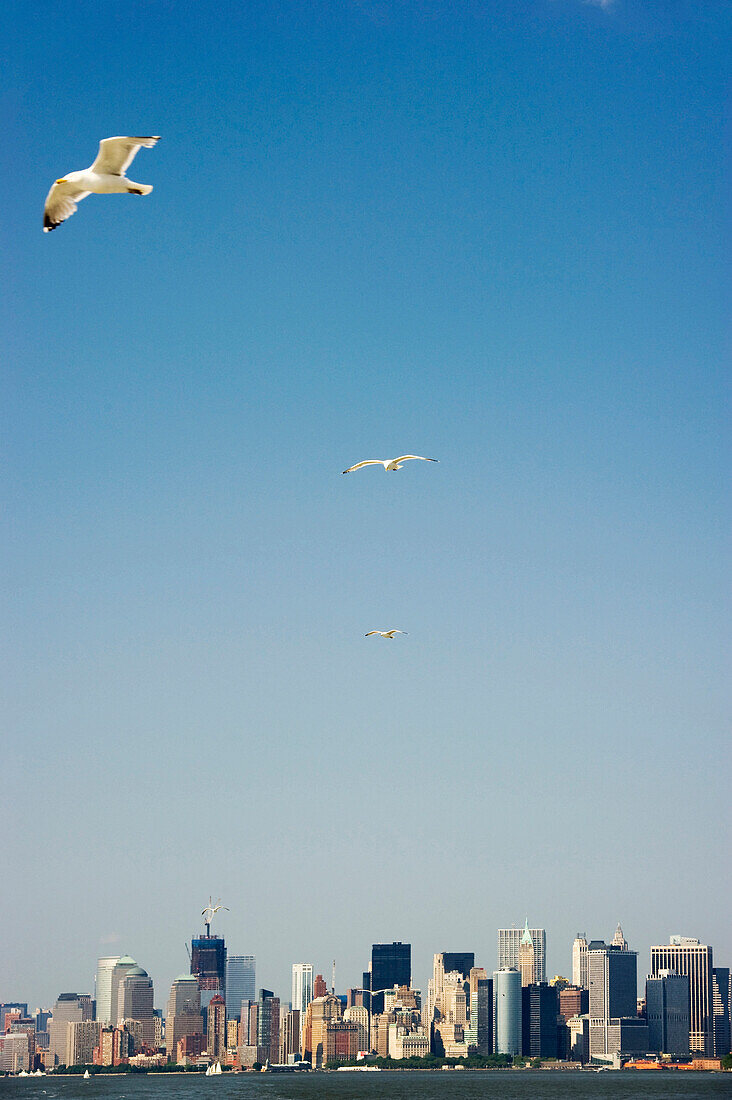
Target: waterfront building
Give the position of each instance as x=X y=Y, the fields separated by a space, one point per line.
x=686 y=955
x=509 y=942
x=240 y=983
x=507 y=1011
x=580 y=976
x=289 y=1035
x=341 y=1041
x=82 y=1036
x=232 y=1034
x=320 y=1012
x=69 y=1008
x=216 y=1028
x=539 y=1020
x=391 y=964
x=527 y=958
x=408 y=1042
x=268 y=1023
x=103 y=987
x=15 y=1056
x=667 y=1013
x=721 y=1010
x=614 y=1023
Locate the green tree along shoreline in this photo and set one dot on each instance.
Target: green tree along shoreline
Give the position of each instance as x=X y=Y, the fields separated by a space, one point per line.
x=434 y=1061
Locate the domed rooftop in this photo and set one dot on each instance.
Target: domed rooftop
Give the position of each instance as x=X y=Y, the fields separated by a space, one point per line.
x=187 y=978
x=136 y=972
x=126 y=960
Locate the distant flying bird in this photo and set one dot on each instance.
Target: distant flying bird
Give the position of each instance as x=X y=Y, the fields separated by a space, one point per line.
x=388 y=463
x=385 y=633
x=105 y=177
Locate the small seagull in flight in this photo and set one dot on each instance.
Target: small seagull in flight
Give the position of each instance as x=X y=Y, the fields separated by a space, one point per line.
x=385 y=633
x=388 y=463
x=105 y=177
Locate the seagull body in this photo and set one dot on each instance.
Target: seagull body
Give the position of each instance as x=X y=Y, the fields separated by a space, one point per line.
x=389 y=464
x=106 y=176
x=385 y=633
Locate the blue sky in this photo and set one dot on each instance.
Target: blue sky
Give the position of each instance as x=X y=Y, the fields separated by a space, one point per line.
x=493 y=235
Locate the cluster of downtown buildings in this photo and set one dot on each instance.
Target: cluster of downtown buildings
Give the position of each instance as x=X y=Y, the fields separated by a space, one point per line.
x=214 y=1014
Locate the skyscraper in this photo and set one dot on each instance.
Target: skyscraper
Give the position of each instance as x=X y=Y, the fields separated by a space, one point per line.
x=302 y=986
x=69 y=1008
x=391 y=964
x=136 y=1002
x=687 y=956
x=183 y=1012
x=527 y=958
x=208 y=963
x=105 y=968
x=614 y=1023
x=539 y=1021
x=580 y=977
x=240 y=983
x=479 y=1032
x=667 y=1013
x=507 y=1011
x=216 y=1027
x=119 y=970
x=268 y=1023
x=509 y=942
x=721 y=1009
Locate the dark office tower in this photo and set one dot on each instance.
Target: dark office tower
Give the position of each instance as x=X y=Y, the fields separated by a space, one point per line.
x=539 y=1021
x=208 y=964
x=720 y=1008
x=462 y=961
x=614 y=1022
x=479 y=1032
x=686 y=955
x=391 y=964
x=268 y=1024
x=667 y=1013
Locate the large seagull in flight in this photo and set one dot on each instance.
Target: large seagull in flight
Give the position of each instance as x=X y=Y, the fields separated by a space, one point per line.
x=388 y=463
x=105 y=177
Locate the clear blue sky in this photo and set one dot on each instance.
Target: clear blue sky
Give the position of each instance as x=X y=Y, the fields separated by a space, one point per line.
x=492 y=233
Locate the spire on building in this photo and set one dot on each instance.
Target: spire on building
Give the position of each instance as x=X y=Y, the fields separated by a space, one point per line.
x=619 y=939
x=526 y=938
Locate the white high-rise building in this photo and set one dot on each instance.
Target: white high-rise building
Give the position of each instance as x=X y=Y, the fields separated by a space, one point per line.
x=579 y=961
x=240 y=983
x=509 y=942
x=302 y=986
x=105 y=967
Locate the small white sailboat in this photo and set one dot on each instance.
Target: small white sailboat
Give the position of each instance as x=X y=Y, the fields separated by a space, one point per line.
x=213 y=1069
x=87 y=1075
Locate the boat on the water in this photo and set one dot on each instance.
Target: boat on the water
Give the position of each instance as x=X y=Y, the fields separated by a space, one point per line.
x=213 y=1069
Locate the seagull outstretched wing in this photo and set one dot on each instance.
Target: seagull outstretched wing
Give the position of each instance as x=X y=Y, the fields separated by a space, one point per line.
x=404 y=458
x=117 y=153
x=61 y=203
x=368 y=462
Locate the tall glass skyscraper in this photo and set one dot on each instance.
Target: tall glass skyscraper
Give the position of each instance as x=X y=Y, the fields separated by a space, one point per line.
x=509 y=942
x=208 y=963
x=240 y=983
x=391 y=964
x=103 y=986
x=302 y=986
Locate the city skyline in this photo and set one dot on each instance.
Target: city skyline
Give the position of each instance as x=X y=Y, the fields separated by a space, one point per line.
x=492 y=236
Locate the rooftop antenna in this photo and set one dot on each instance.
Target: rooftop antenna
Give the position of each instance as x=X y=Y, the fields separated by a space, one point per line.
x=210 y=912
x=190 y=960
x=332 y=988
